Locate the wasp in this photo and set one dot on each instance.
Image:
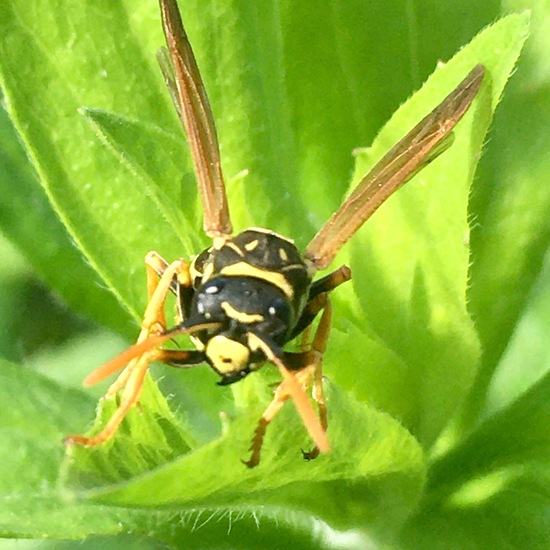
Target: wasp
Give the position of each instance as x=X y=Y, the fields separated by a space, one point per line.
x=248 y=295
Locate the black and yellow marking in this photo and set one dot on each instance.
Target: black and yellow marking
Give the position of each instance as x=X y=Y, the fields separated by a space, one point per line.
x=262 y=255
x=226 y=355
x=245 y=297
x=241 y=316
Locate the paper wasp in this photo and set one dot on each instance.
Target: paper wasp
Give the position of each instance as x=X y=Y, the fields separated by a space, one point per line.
x=249 y=294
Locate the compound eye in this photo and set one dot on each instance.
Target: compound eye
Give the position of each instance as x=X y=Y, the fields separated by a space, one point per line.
x=278 y=308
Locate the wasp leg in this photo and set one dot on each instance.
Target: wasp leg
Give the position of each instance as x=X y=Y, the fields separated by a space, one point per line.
x=156 y=266
x=307 y=365
x=259 y=434
x=134 y=377
x=331 y=281
x=313 y=359
x=154 y=319
x=305 y=339
x=319 y=347
x=318 y=296
x=131 y=379
x=181 y=284
x=282 y=394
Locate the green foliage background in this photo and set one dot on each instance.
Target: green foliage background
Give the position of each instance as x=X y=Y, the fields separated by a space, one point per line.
x=438 y=386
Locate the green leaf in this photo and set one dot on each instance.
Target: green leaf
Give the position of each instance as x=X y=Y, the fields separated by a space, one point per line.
x=413 y=256
x=516 y=435
x=500 y=471
x=527 y=357
x=107 y=487
x=150 y=154
x=294 y=89
x=94 y=196
x=510 y=204
x=371 y=453
x=39 y=414
x=27 y=218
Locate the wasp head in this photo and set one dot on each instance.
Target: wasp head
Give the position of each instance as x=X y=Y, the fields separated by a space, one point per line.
x=242 y=305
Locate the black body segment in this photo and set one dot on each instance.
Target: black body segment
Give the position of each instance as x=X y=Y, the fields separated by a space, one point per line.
x=266 y=256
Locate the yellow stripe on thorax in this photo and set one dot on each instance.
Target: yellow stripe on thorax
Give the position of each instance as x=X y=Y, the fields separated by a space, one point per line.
x=243 y=269
x=235 y=248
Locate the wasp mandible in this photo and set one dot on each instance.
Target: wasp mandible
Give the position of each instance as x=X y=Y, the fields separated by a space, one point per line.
x=245 y=297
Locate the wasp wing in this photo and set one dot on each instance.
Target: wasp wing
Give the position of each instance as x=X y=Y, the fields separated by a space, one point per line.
x=426 y=141
x=167 y=68
x=187 y=89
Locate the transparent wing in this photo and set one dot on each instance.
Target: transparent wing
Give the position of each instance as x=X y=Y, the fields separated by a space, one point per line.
x=426 y=141
x=184 y=81
x=167 y=68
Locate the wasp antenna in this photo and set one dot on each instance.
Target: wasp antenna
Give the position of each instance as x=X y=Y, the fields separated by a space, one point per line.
x=121 y=360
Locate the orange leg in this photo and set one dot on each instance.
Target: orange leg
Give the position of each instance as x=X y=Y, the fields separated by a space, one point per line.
x=319 y=346
x=312 y=369
x=134 y=377
x=154 y=319
x=155 y=267
x=131 y=379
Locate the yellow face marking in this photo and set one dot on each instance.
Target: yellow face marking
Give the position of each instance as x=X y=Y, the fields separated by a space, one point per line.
x=242 y=269
x=240 y=316
x=227 y=355
x=283 y=255
x=251 y=245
